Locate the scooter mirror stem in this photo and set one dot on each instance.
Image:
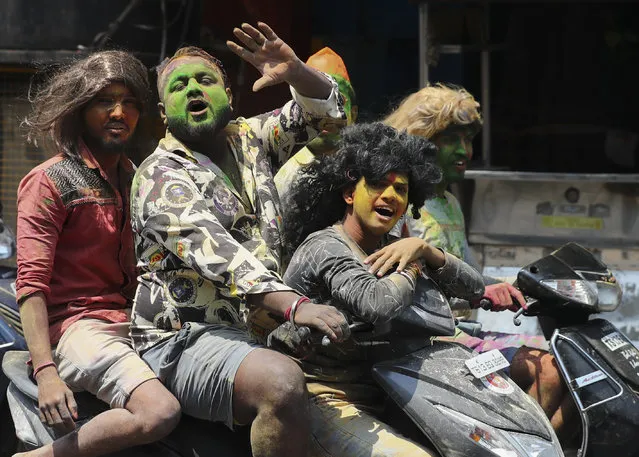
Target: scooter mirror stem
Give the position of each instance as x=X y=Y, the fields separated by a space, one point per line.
x=516 y=319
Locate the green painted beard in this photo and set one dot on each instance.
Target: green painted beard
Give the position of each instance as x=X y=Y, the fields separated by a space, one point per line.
x=196 y=132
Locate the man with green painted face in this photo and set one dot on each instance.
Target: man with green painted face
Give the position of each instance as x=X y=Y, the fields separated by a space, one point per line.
x=450 y=118
x=207 y=224
x=329 y=62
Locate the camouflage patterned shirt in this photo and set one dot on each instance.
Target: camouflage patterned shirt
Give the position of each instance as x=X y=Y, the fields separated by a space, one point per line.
x=201 y=245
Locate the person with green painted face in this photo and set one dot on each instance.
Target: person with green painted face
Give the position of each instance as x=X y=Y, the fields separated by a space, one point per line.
x=330 y=62
x=449 y=116
x=206 y=219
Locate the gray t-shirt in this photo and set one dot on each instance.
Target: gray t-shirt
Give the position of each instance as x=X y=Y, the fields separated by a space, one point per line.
x=328 y=267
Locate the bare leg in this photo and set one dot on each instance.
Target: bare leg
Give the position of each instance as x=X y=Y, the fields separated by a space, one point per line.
x=536 y=372
x=150 y=414
x=270 y=390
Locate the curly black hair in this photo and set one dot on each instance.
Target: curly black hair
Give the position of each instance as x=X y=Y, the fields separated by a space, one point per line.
x=364 y=150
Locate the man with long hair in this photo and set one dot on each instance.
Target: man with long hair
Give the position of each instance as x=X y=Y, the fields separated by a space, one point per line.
x=339 y=218
x=449 y=116
x=207 y=222
x=76 y=263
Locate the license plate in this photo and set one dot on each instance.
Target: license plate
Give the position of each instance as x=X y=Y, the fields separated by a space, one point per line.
x=613 y=341
x=487 y=363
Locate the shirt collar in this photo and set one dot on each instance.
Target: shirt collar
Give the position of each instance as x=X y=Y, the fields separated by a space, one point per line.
x=171 y=144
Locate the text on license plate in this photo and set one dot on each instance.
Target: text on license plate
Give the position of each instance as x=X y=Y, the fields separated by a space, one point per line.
x=487 y=363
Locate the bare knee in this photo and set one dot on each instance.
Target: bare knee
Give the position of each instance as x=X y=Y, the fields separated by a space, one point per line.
x=155 y=415
x=285 y=385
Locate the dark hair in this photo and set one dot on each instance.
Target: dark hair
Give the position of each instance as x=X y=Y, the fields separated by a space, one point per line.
x=190 y=51
x=57 y=103
x=365 y=150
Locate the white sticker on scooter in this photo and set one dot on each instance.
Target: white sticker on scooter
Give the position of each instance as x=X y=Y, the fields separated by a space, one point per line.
x=590 y=378
x=498 y=384
x=486 y=363
x=613 y=341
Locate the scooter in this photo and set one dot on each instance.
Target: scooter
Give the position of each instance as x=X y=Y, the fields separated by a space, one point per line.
x=10 y=333
x=452 y=399
x=460 y=403
x=598 y=363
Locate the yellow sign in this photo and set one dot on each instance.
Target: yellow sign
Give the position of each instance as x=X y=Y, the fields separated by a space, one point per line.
x=572 y=222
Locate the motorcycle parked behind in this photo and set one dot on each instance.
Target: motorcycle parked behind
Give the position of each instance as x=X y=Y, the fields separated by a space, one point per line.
x=598 y=362
x=10 y=333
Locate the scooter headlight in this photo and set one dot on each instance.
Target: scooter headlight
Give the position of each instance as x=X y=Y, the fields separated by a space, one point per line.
x=609 y=295
x=578 y=290
x=500 y=442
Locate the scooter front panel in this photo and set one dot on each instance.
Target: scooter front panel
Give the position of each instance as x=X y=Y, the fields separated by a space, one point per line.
x=437 y=375
x=609 y=408
x=615 y=348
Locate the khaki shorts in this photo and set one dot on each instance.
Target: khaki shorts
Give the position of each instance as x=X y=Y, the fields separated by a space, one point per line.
x=97 y=356
x=343 y=424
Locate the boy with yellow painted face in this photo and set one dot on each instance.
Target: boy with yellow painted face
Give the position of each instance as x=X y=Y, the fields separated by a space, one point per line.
x=360 y=192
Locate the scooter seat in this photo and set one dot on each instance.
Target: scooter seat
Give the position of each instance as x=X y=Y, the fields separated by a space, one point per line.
x=14 y=365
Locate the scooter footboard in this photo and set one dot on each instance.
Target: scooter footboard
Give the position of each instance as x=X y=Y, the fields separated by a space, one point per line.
x=590 y=358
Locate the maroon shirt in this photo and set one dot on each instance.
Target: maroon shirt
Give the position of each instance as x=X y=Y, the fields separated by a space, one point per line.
x=75 y=242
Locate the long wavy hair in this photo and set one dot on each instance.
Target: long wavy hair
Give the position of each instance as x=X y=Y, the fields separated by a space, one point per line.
x=433 y=109
x=57 y=104
x=364 y=150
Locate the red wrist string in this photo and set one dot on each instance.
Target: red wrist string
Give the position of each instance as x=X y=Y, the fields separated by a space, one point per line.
x=289 y=314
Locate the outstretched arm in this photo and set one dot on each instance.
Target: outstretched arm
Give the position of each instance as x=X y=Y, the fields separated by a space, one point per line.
x=277 y=62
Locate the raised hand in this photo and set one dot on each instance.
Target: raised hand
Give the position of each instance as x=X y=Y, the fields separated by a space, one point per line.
x=263 y=49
